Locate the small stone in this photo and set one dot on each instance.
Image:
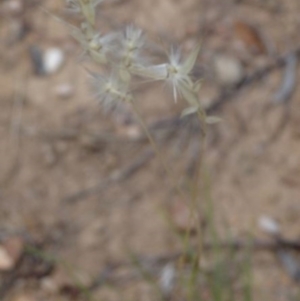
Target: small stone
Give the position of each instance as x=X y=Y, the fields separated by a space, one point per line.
x=11 y=251
x=6 y=262
x=167 y=279
x=131 y=131
x=14 y=247
x=269 y=225
x=53 y=59
x=64 y=91
x=228 y=70
x=14 y=7
x=49 y=285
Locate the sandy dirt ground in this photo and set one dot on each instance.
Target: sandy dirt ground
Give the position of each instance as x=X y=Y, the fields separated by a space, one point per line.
x=61 y=154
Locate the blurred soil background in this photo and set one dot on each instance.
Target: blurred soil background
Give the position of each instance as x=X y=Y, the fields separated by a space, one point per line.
x=83 y=185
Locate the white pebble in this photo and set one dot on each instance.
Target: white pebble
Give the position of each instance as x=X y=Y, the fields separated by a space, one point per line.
x=167 y=278
x=228 y=70
x=49 y=285
x=269 y=225
x=53 y=60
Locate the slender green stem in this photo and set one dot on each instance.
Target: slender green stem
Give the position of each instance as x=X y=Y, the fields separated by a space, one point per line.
x=194 y=192
x=154 y=145
x=194 y=208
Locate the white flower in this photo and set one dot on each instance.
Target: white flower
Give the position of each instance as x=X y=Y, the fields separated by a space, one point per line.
x=111 y=90
x=93 y=43
x=132 y=43
x=177 y=73
x=133 y=38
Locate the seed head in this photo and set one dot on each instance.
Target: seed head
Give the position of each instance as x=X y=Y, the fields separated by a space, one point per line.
x=133 y=38
x=110 y=90
x=132 y=43
x=177 y=73
x=93 y=43
x=73 y=5
x=85 y=7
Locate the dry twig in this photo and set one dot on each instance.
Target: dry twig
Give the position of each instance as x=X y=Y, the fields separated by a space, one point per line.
x=114 y=177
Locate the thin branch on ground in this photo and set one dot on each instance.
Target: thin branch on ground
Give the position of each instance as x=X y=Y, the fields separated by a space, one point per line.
x=114 y=177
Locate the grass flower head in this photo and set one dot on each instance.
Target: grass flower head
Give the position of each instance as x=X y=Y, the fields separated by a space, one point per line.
x=110 y=90
x=177 y=73
x=94 y=43
x=86 y=7
x=132 y=43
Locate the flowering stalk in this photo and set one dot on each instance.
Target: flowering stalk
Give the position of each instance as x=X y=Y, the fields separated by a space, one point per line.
x=123 y=56
x=156 y=149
